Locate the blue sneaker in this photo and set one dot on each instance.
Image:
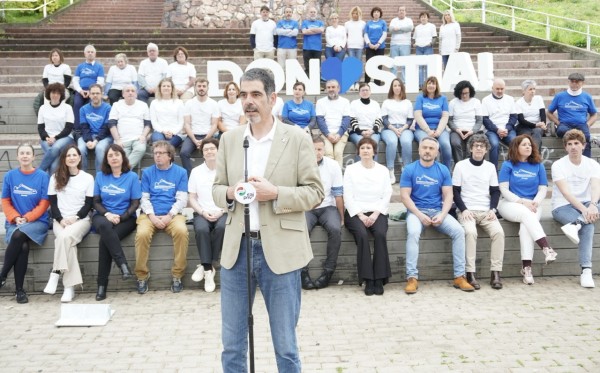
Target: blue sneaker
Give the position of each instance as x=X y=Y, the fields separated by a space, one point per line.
x=177 y=285
x=142 y=285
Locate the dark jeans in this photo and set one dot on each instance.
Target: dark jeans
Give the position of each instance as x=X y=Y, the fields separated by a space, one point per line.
x=109 y=248
x=78 y=102
x=329 y=218
x=209 y=237
x=372 y=53
x=564 y=127
x=460 y=150
x=307 y=56
x=114 y=95
x=187 y=149
x=535 y=133
x=495 y=144
x=377 y=268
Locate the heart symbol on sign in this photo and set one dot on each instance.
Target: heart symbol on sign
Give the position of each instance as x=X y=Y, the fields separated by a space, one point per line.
x=346 y=72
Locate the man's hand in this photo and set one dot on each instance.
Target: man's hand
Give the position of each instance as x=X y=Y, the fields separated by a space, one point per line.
x=265 y=191
x=438 y=219
x=425 y=220
x=591 y=213
x=157 y=221
x=91 y=144
x=467 y=215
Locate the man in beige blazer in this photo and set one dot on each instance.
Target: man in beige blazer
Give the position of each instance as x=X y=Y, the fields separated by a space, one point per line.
x=282 y=168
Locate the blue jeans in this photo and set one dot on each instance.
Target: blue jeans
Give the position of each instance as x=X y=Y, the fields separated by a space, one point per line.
x=399 y=50
x=568 y=214
x=391 y=146
x=49 y=162
x=329 y=218
x=143 y=95
x=99 y=150
x=78 y=102
x=355 y=52
x=329 y=52
x=495 y=144
x=564 y=127
x=421 y=51
x=449 y=227
x=187 y=149
x=176 y=140
x=355 y=138
x=282 y=299
x=445 y=147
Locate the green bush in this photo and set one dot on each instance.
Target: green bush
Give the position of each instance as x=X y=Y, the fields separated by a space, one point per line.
x=51 y=8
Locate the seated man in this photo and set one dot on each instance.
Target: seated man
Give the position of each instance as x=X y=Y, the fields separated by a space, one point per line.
x=574 y=109
x=499 y=118
x=129 y=124
x=329 y=214
x=575 y=199
x=164 y=196
x=200 y=118
x=87 y=73
x=95 y=135
x=476 y=194
x=151 y=71
x=426 y=191
x=333 y=119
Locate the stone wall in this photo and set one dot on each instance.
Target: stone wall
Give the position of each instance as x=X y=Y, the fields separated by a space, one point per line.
x=233 y=13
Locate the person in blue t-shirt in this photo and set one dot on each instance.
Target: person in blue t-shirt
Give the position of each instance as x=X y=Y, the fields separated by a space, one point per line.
x=312 y=29
x=426 y=191
x=287 y=33
x=431 y=114
x=375 y=35
x=164 y=196
x=93 y=121
x=298 y=111
x=25 y=204
x=523 y=185
x=117 y=193
x=87 y=73
x=574 y=109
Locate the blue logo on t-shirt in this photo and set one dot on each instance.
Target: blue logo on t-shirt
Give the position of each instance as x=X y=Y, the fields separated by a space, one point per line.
x=24 y=190
x=162 y=184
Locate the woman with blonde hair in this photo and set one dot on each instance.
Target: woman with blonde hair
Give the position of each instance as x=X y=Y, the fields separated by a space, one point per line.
x=450 y=36
x=355 y=28
x=166 y=114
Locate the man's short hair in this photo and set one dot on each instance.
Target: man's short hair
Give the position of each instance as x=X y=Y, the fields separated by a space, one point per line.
x=430 y=138
x=573 y=134
x=264 y=7
x=201 y=80
x=478 y=138
x=262 y=75
x=577 y=76
x=95 y=85
x=152 y=46
x=317 y=139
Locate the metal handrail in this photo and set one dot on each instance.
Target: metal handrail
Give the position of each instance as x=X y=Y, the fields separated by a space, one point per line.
x=43 y=6
x=548 y=24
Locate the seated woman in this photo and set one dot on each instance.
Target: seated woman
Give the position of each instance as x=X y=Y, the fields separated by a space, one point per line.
x=25 y=205
x=166 y=114
x=367 y=195
x=397 y=116
x=183 y=74
x=531 y=113
x=70 y=193
x=57 y=71
x=431 y=115
x=298 y=111
x=232 y=113
x=209 y=220
x=117 y=193
x=365 y=117
x=465 y=119
x=523 y=185
x=55 y=123
x=119 y=75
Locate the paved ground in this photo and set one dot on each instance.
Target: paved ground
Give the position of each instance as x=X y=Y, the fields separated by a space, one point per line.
x=552 y=326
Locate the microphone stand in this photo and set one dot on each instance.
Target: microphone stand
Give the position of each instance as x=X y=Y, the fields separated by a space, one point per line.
x=248 y=263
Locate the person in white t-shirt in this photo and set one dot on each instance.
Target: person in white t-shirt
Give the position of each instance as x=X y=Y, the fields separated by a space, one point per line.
x=355 y=28
x=262 y=33
x=400 y=28
x=183 y=74
x=531 y=113
x=55 y=72
x=232 y=113
x=151 y=71
x=450 y=36
x=423 y=39
x=129 y=124
x=333 y=119
x=335 y=38
x=166 y=114
x=465 y=119
x=118 y=76
x=576 y=199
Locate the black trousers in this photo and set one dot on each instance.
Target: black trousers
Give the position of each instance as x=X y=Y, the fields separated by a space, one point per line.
x=110 y=248
x=372 y=53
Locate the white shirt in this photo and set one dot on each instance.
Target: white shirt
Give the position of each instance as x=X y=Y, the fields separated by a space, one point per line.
x=152 y=72
x=201 y=114
x=130 y=119
x=531 y=111
x=450 y=38
x=167 y=115
x=264 y=31
x=424 y=34
x=201 y=182
x=498 y=110
x=230 y=113
x=180 y=74
x=56 y=74
x=398 y=37
x=367 y=189
x=365 y=114
x=331 y=176
x=277 y=108
x=475 y=182
x=333 y=111
x=398 y=112
x=578 y=178
x=55 y=118
x=463 y=113
x=355 y=31
x=118 y=78
x=335 y=36
x=72 y=198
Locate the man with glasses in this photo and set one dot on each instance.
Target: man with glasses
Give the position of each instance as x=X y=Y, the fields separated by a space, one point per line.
x=164 y=196
x=476 y=194
x=87 y=73
x=95 y=135
x=129 y=124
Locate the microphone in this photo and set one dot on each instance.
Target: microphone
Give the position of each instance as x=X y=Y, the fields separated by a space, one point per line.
x=245 y=192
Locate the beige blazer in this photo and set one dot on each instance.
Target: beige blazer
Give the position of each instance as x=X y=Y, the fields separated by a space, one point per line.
x=292 y=167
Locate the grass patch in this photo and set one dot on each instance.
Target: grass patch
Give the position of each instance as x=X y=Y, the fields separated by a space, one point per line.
x=28 y=16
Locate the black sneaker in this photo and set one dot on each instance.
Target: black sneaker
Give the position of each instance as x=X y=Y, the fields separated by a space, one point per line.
x=142 y=285
x=177 y=285
x=2 y=282
x=22 y=296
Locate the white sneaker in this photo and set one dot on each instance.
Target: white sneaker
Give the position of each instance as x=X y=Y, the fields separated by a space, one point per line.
x=527 y=276
x=68 y=295
x=209 y=281
x=572 y=232
x=550 y=254
x=392 y=177
x=52 y=283
x=586 y=279
x=198 y=274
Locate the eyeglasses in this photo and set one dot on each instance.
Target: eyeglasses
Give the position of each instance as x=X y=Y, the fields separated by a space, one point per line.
x=479 y=146
x=160 y=153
